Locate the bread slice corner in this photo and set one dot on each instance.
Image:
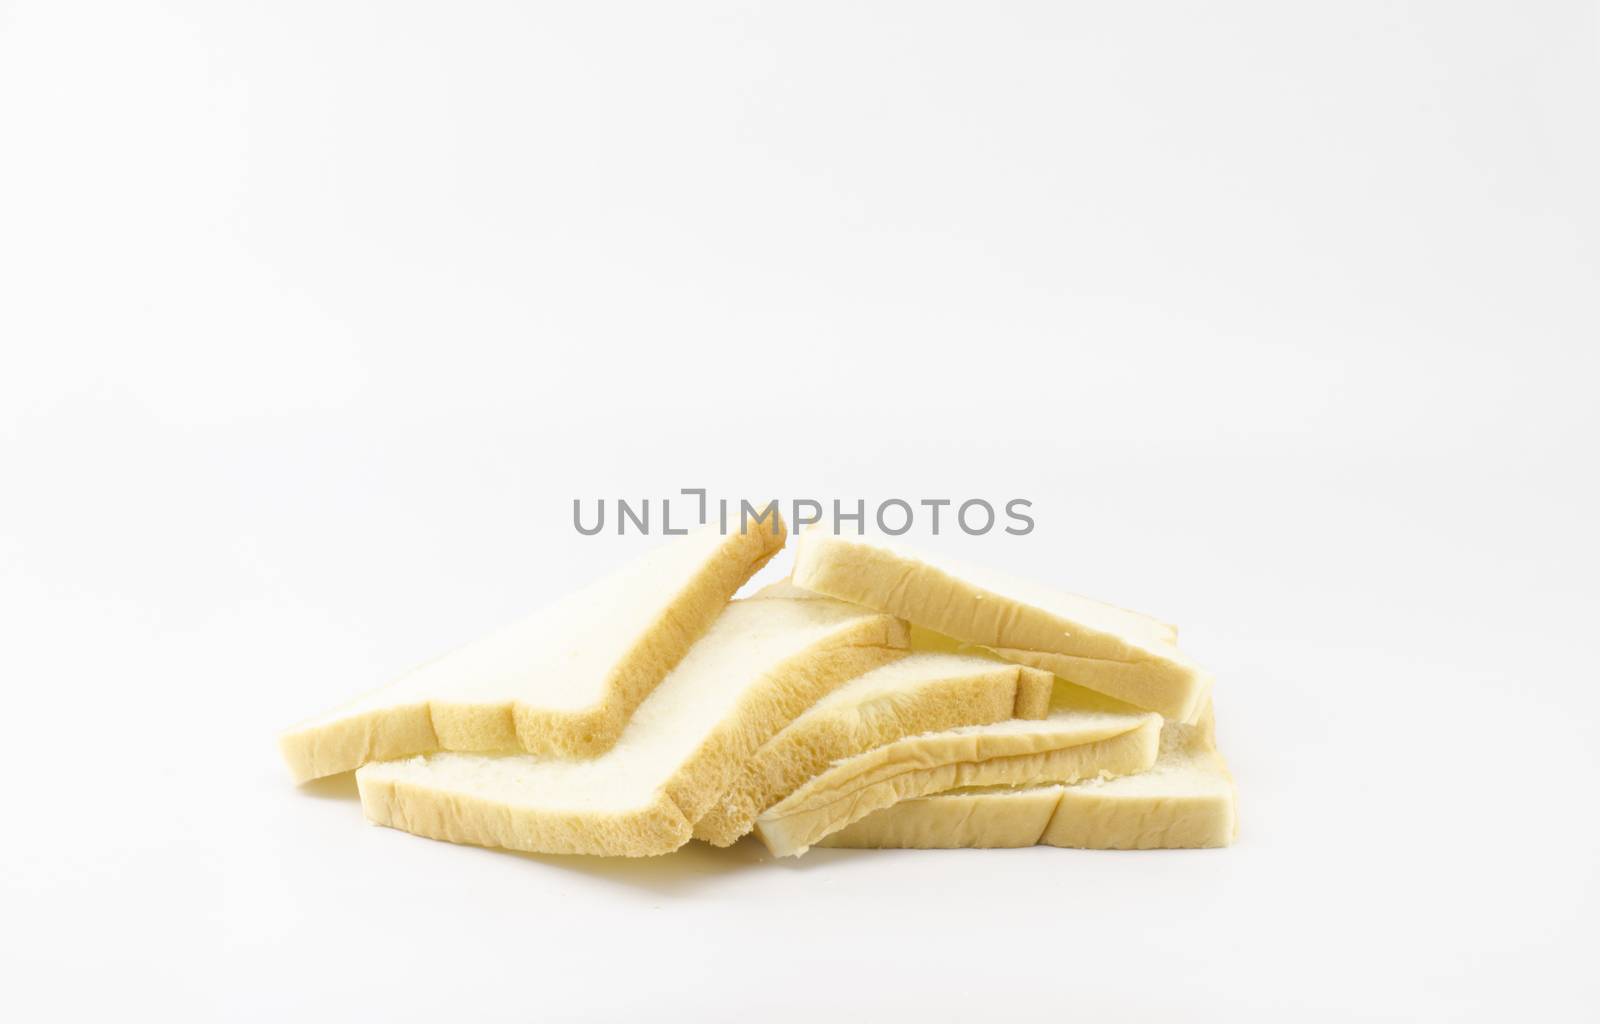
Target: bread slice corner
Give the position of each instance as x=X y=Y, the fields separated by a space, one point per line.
x=1124 y=654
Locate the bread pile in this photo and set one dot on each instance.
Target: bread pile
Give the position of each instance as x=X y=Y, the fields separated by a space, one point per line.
x=877 y=698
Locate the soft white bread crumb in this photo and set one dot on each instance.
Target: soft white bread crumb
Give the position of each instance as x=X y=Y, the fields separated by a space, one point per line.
x=1186 y=801
x=1084 y=736
x=1124 y=654
x=562 y=681
x=785 y=589
x=923 y=692
x=761 y=664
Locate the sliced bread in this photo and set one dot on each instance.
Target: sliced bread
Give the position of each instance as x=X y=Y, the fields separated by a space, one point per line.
x=562 y=681
x=761 y=664
x=1084 y=736
x=1124 y=654
x=921 y=693
x=1186 y=801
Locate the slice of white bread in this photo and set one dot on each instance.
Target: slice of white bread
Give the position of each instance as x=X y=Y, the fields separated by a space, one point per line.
x=1084 y=736
x=920 y=693
x=1126 y=655
x=562 y=681
x=760 y=665
x=1186 y=801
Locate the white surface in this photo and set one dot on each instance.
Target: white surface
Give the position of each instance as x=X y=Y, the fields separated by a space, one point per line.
x=316 y=317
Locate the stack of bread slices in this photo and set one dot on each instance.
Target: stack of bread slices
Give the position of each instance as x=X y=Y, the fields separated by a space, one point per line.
x=877 y=698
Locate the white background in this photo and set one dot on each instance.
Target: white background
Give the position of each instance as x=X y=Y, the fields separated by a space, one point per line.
x=317 y=316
